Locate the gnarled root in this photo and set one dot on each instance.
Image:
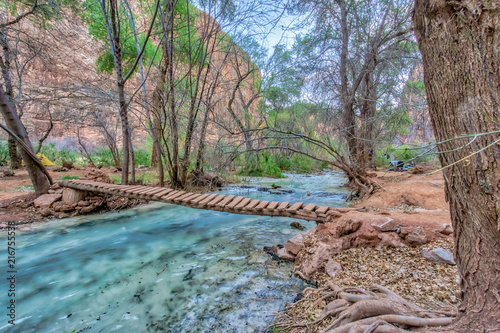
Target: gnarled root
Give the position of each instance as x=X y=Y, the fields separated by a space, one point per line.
x=354 y=310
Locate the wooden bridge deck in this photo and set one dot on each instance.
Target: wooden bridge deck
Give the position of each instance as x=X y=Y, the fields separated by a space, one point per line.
x=219 y=202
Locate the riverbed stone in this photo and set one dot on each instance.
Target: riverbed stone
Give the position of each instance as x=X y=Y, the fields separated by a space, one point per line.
x=46 y=200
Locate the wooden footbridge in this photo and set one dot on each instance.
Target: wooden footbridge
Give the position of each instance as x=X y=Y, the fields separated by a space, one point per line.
x=218 y=202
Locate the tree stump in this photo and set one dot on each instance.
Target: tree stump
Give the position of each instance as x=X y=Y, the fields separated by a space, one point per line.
x=72 y=196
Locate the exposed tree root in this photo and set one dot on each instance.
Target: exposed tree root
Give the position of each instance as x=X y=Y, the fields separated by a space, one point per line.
x=355 y=310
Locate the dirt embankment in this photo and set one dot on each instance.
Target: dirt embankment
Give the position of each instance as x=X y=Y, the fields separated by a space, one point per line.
x=389 y=239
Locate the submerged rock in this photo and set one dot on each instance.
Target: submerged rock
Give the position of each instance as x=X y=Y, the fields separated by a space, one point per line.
x=297 y=225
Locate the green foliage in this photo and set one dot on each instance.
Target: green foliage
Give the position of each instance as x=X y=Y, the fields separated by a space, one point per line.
x=68 y=177
x=116 y=179
x=4 y=151
x=147 y=177
x=142 y=157
x=262 y=166
x=94 y=18
x=103 y=156
x=58 y=156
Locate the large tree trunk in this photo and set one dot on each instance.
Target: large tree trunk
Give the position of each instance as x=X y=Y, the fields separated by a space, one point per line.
x=460 y=45
x=38 y=178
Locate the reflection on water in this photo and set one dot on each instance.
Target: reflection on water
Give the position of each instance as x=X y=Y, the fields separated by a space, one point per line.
x=160 y=268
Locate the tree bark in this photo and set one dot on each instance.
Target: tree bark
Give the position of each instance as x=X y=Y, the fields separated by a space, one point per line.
x=114 y=36
x=38 y=178
x=460 y=42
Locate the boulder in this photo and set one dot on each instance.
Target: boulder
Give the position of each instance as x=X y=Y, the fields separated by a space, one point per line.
x=440 y=256
x=347 y=227
x=388 y=225
x=68 y=165
x=88 y=209
x=414 y=236
x=46 y=200
x=62 y=207
x=322 y=253
x=446 y=229
x=45 y=212
x=61 y=215
x=295 y=244
x=71 y=196
x=389 y=239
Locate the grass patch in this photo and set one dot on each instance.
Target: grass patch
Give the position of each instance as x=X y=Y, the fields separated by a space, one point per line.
x=27 y=188
x=69 y=177
x=147 y=177
x=116 y=179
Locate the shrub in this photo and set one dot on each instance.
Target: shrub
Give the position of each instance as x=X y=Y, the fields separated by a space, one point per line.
x=142 y=157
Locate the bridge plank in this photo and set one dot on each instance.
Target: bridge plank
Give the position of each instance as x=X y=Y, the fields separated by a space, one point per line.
x=233 y=203
x=184 y=196
x=200 y=198
x=130 y=189
x=216 y=200
x=295 y=207
x=272 y=206
x=262 y=205
x=171 y=197
x=191 y=197
x=310 y=207
x=147 y=189
x=252 y=205
x=158 y=195
x=321 y=210
x=153 y=191
x=243 y=203
x=282 y=206
x=205 y=201
x=227 y=200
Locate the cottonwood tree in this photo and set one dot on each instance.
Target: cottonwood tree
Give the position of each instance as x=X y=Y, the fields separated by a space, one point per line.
x=354 y=60
x=106 y=20
x=12 y=15
x=459 y=41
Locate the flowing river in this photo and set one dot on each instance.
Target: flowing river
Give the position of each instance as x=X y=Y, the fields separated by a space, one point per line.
x=161 y=267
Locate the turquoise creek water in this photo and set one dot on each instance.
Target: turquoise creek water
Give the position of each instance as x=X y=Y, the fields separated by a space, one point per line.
x=160 y=267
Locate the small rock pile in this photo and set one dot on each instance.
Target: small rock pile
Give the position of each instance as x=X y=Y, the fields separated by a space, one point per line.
x=98 y=176
x=314 y=250
x=67 y=202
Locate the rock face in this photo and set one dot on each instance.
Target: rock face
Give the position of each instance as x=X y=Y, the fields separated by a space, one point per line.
x=440 y=256
x=46 y=200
